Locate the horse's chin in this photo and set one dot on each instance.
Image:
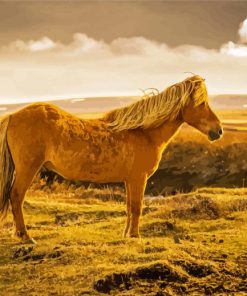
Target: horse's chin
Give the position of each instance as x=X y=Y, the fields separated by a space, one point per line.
x=211 y=139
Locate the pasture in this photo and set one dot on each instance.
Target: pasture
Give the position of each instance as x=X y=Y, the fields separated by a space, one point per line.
x=192 y=244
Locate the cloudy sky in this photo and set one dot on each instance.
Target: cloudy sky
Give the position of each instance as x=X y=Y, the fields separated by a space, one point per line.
x=65 y=49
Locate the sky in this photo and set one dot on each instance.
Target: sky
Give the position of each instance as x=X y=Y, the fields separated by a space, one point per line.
x=72 y=49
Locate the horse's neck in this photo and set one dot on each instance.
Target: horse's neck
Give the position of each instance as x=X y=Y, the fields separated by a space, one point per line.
x=162 y=135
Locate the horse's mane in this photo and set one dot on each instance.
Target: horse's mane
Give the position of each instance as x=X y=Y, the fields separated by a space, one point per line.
x=152 y=110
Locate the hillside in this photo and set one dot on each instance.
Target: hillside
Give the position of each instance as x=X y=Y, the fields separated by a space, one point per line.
x=192 y=244
x=191 y=161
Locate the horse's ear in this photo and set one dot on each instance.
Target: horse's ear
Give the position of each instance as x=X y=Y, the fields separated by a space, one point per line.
x=199 y=82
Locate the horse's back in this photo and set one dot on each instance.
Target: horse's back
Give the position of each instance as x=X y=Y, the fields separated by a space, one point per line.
x=42 y=133
x=42 y=118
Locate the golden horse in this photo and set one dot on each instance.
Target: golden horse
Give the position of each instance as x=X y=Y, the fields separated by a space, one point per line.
x=125 y=145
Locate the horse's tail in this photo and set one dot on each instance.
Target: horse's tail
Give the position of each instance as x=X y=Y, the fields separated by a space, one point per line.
x=7 y=169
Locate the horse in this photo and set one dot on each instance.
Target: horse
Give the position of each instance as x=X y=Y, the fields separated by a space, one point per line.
x=124 y=145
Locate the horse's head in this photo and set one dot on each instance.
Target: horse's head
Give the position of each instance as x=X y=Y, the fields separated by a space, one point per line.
x=198 y=113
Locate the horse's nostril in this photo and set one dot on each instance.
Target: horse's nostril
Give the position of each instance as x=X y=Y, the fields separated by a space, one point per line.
x=213 y=135
x=220 y=131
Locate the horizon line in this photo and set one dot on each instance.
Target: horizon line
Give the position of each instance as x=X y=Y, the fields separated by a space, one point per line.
x=74 y=99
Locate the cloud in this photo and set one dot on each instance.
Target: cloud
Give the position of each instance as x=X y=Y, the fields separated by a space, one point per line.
x=43 y=44
x=237 y=49
x=81 y=43
x=47 y=69
x=243 y=31
x=233 y=49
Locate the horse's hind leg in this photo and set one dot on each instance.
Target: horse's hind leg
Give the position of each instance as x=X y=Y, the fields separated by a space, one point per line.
x=23 y=179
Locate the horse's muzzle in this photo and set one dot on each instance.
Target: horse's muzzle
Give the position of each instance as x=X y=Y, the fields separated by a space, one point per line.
x=215 y=135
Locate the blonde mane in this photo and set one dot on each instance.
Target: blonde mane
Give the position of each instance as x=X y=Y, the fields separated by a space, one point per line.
x=152 y=110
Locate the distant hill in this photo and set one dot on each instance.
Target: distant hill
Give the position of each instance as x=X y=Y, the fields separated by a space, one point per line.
x=104 y=104
x=229 y=101
x=79 y=106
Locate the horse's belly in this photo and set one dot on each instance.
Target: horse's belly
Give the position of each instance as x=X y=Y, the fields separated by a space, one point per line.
x=95 y=173
x=96 y=165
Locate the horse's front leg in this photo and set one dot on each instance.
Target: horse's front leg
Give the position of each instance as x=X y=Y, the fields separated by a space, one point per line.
x=127 y=226
x=136 y=192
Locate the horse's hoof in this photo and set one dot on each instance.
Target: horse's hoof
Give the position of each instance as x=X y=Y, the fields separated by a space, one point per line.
x=23 y=238
x=124 y=234
x=134 y=235
x=29 y=241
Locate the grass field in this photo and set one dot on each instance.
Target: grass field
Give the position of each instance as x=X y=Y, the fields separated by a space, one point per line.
x=192 y=244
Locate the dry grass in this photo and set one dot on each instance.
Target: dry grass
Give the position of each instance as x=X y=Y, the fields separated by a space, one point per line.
x=192 y=244
x=205 y=203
